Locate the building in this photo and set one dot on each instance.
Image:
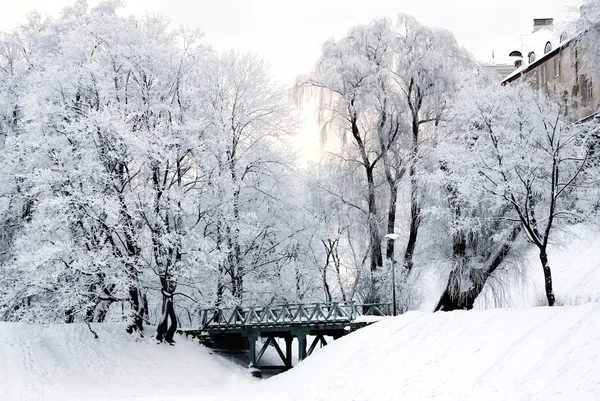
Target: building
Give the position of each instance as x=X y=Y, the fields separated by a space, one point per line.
x=551 y=62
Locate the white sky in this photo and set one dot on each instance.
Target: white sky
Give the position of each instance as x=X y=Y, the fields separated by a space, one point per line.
x=289 y=34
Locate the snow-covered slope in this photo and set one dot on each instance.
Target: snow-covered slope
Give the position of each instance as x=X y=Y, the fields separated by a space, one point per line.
x=65 y=362
x=519 y=354
x=574 y=257
x=503 y=354
x=497 y=354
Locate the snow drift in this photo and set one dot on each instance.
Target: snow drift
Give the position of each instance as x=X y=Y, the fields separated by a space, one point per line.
x=503 y=354
x=526 y=354
x=65 y=362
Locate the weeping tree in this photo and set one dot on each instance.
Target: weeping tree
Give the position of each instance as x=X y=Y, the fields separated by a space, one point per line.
x=426 y=71
x=384 y=89
x=342 y=81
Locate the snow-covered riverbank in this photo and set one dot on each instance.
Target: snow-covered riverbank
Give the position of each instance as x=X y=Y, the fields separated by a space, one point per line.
x=517 y=354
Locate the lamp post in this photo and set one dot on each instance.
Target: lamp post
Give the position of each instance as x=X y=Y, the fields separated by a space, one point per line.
x=393 y=237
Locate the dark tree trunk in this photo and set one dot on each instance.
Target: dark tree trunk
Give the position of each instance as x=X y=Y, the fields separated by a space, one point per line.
x=454 y=297
x=102 y=311
x=137 y=310
x=70 y=315
x=173 y=326
x=376 y=257
x=375 y=240
x=336 y=263
x=220 y=289
x=415 y=221
x=89 y=312
x=547 y=277
x=415 y=207
x=299 y=292
x=329 y=247
x=326 y=286
x=166 y=331
x=389 y=254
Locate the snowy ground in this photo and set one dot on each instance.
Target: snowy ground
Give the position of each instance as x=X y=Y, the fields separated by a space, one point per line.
x=519 y=354
x=575 y=262
x=65 y=362
x=498 y=354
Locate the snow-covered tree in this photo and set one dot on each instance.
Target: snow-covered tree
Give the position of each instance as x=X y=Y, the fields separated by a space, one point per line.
x=138 y=164
x=586 y=31
x=514 y=154
x=250 y=121
x=384 y=89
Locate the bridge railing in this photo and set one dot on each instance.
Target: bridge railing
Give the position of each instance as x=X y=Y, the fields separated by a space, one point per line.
x=314 y=313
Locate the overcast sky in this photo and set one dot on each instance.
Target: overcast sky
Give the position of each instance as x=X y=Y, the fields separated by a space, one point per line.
x=289 y=34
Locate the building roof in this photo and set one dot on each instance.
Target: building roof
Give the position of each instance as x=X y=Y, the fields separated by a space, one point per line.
x=543 y=44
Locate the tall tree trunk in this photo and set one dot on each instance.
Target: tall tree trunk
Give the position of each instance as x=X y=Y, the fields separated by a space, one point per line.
x=299 y=292
x=389 y=254
x=220 y=287
x=415 y=207
x=547 y=277
x=236 y=264
x=165 y=330
x=326 y=285
x=415 y=221
x=336 y=264
x=136 y=320
x=328 y=245
x=375 y=238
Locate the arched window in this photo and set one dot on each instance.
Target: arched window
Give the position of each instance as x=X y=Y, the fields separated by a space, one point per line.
x=563 y=37
x=548 y=47
x=515 y=53
x=531 y=57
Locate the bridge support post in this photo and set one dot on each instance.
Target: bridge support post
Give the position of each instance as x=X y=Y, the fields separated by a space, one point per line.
x=301 y=347
x=252 y=350
x=288 y=351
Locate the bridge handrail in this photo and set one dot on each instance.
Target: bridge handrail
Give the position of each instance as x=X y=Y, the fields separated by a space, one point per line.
x=313 y=313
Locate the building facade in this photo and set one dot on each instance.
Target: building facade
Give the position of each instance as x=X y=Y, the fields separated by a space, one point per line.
x=552 y=64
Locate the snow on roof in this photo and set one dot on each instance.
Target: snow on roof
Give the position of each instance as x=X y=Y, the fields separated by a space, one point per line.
x=536 y=44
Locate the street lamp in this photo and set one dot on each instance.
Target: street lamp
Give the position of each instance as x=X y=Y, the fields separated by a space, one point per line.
x=393 y=237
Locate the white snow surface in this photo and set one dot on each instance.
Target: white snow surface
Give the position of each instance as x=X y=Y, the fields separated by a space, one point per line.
x=66 y=362
x=575 y=262
x=496 y=354
x=501 y=354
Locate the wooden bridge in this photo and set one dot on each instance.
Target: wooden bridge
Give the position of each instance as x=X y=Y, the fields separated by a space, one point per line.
x=240 y=327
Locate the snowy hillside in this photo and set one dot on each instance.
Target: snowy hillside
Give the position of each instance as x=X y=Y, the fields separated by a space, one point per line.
x=518 y=354
x=575 y=262
x=65 y=362
x=527 y=354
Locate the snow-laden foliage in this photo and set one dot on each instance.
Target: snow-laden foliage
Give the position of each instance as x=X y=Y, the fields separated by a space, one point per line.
x=513 y=162
x=586 y=31
x=138 y=166
x=382 y=90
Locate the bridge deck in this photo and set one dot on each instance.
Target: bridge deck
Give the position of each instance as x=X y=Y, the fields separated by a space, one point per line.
x=334 y=313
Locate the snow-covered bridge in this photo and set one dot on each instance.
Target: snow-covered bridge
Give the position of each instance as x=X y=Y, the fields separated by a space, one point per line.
x=240 y=327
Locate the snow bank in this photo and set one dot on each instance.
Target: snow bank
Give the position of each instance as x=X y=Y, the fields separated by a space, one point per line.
x=519 y=354
x=503 y=354
x=65 y=362
x=575 y=264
